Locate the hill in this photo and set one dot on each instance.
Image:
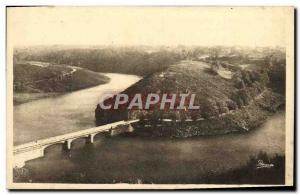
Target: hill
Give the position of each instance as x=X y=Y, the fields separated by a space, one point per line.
x=33 y=81
x=237 y=101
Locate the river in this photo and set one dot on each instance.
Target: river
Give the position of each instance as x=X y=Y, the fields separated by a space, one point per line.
x=66 y=113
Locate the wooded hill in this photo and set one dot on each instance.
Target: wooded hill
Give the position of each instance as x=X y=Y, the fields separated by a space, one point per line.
x=239 y=103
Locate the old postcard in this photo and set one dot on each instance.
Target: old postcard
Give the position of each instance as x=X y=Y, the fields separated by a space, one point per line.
x=150 y=97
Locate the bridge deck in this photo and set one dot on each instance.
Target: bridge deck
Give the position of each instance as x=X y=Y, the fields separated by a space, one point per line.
x=73 y=135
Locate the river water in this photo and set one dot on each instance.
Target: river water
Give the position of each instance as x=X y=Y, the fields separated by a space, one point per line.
x=130 y=159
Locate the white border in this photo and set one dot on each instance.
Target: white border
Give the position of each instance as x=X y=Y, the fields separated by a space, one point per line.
x=4 y=3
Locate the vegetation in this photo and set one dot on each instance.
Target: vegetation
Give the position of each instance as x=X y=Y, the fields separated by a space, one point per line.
x=29 y=78
x=226 y=105
x=26 y=73
x=33 y=82
x=277 y=77
x=250 y=174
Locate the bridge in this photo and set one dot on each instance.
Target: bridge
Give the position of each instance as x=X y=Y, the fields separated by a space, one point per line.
x=35 y=149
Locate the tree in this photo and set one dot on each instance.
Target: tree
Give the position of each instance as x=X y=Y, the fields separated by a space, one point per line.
x=195 y=114
x=222 y=107
x=264 y=77
x=243 y=94
x=209 y=109
x=246 y=78
x=231 y=105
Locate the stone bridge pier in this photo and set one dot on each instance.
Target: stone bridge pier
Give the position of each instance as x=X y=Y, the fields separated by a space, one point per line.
x=88 y=138
x=68 y=144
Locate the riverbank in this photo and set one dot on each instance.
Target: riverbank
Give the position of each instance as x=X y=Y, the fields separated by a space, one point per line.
x=21 y=98
x=244 y=119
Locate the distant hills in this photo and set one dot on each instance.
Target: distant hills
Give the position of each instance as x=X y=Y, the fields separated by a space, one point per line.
x=114 y=60
x=142 y=60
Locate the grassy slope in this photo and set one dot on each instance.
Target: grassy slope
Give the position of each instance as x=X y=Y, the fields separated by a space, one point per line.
x=28 y=74
x=85 y=78
x=184 y=76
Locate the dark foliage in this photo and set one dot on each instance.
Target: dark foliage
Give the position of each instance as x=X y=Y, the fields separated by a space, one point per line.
x=250 y=174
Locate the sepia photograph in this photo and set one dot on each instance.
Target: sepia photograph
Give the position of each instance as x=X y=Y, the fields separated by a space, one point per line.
x=149 y=97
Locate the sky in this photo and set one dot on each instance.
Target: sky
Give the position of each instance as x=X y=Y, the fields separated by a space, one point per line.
x=204 y=26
